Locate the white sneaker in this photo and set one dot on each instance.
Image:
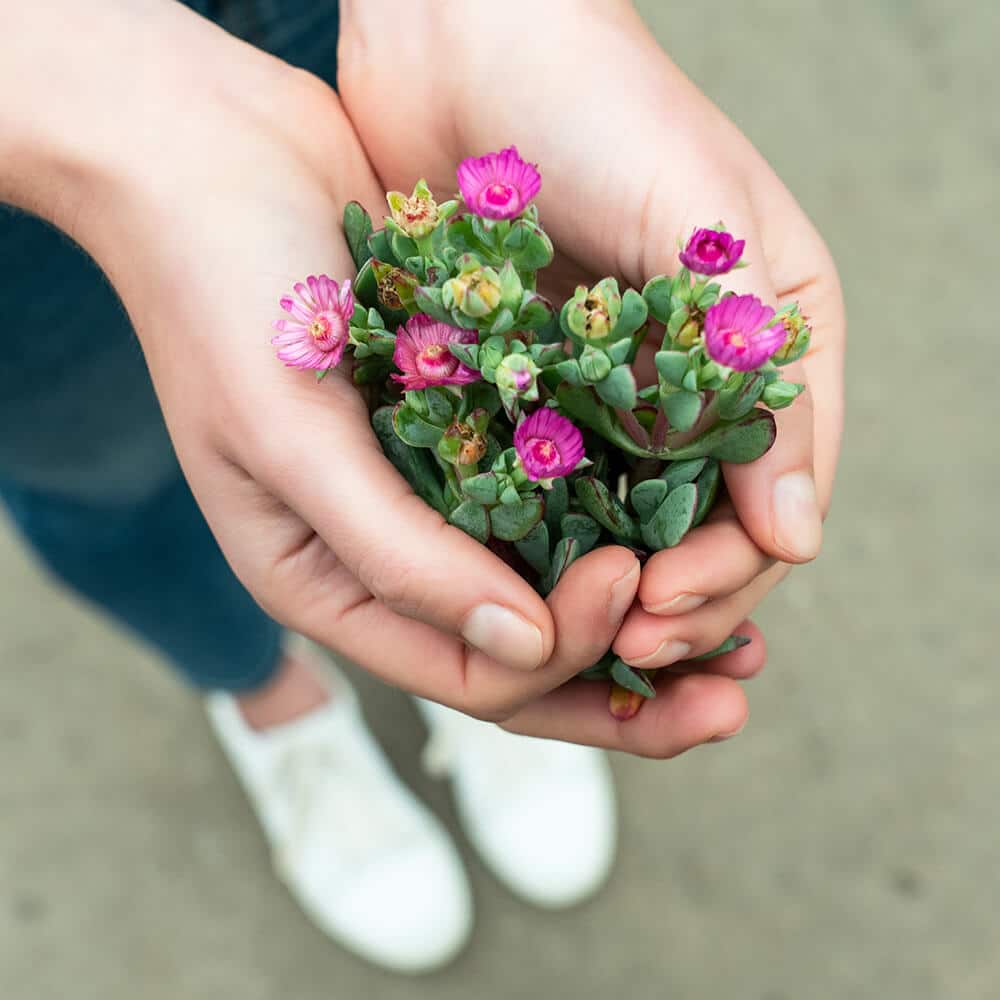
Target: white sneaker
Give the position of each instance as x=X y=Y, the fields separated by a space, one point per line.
x=365 y=860
x=541 y=813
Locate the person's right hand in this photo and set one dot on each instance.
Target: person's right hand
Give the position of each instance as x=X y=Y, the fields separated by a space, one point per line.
x=202 y=222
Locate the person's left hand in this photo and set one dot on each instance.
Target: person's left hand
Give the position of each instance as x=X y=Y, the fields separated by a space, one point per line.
x=633 y=158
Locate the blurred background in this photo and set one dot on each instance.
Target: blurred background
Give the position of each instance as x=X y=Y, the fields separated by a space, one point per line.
x=845 y=845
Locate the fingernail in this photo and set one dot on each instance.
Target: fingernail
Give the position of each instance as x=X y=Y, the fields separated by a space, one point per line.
x=669 y=651
x=722 y=737
x=504 y=635
x=622 y=594
x=798 y=528
x=679 y=605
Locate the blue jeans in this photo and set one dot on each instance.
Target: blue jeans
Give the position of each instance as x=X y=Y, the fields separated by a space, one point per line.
x=87 y=471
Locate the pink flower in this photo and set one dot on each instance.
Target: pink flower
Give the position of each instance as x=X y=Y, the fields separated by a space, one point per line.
x=316 y=335
x=498 y=185
x=548 y=445
x=737 y=335
x=710 y=251
x=423 y=357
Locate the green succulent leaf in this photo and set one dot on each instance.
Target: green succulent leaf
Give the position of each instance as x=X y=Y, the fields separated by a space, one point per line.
x=678 y=473
x=739 y=443
x=483 y=488
x=657 y=294
x=708 y=489
x=415 y=465
x=584 y=529
x=739 y=395
x=632 y=679
x=528 y=246
x=357 y=228
x=733 y=642
x=647 y=496
x=428 y=300
x=619 y=388
x=413 y=429
x=683 y=409
x=633 y=314
x=473 y=519
x=556 y=504
x=672 y=366
x=672 y=519
x=778 y=395
x=511 y=522
x=581 y=404
x=566 y=552
x=534 y=548
x=605 y=508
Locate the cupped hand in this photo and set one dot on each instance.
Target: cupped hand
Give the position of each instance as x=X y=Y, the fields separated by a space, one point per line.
x=222 y=220
x=633 y=158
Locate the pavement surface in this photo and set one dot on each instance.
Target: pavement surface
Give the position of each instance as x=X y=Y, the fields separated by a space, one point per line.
x=844 y=846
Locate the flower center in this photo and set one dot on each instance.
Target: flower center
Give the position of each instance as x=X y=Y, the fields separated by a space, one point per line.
x=543 y=453
x=499 y=195
x=327 y=330
x=436 y=361
x=737 y=339
x=710 y=250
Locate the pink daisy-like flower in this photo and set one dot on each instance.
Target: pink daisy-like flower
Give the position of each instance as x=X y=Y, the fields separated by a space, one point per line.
x=422 y=354
x=710 y=251
x=548 y=445
x=737 y=334
x=316 y=335
x=498 y=185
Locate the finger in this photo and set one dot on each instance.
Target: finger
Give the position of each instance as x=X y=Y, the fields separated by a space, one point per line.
x=741 y=664
x=647 y=641
x=715 y=560
x=588 y=607
x=686 y=712
x=401 y=550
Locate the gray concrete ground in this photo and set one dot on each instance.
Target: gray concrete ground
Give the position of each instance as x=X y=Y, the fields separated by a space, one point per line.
x=845 y=845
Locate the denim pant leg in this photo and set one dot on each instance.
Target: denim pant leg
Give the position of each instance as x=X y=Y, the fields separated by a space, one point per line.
x=86 y=468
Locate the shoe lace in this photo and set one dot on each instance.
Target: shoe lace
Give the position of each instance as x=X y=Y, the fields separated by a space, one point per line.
x=322 y=782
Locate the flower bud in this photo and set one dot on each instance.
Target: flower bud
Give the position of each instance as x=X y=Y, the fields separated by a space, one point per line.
x=797 y=336
x=593 y=314
x=688 y=334
x=462 y=444
x=595 y=365
x=416 y=215
x=475 y=292
x=518 y=375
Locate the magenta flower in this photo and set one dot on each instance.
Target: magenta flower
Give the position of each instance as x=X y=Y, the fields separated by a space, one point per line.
x=316 y=335
x=737 y=334
x=423 y=357
x=710 y=251
x=498 y=185
x=548 y=445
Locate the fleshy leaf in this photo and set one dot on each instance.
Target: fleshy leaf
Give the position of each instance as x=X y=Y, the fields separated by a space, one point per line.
x=413 y=429
x=584 y=529
x=632 y=679
x=566 y=552
x=605 y=508
x=672 y=519
x=414 y=465
x=472 y=518
x=357 y=228
x=739 y=443
x=534 y=548
x=482 y=488
x=511 y=522
x=657 y=295
x=672 y=365
x=733 y=642
x=737 y=398
x=619 y=388
x=647 y=496
x=633 y=314
x=708 y=489
x=556 y=504
x=678 y=473
x=683 y=409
